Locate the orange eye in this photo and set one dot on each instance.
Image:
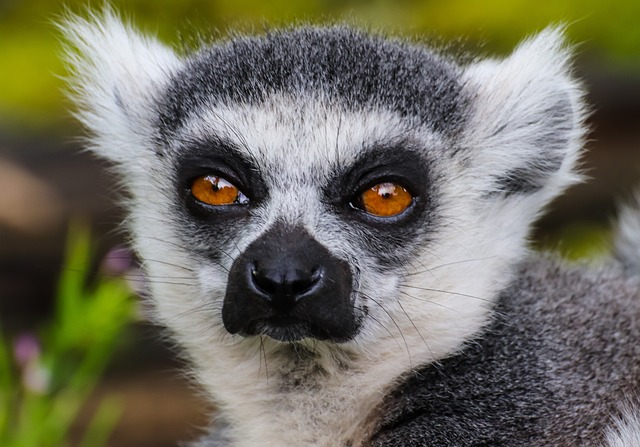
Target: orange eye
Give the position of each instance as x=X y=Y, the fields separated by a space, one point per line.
x=386 y=199
x=214 y=190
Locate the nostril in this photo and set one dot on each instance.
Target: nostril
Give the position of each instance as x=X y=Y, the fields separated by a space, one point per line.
x=303 y=283
x=264 y=280
x=290 y=284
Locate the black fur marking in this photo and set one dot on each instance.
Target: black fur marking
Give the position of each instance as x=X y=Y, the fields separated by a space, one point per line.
x=551 y=142
x=358 y=70
x=529 y=179
x=391 y=240
x=224 y=158
x=213 y=226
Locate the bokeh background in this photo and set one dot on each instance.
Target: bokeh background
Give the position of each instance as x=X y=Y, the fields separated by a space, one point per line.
x=46 y=180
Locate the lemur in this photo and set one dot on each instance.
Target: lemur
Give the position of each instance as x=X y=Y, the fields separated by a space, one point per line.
x=335 y=225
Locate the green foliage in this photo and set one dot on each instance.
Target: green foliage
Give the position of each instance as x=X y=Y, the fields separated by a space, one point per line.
x=46 y=377
x=580 y=241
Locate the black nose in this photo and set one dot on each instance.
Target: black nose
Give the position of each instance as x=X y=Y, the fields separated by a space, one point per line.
x=283 y=287
x=289 y=286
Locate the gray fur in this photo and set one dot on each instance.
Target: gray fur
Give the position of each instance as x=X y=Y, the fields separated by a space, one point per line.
x=552 y=368
x=350 y=67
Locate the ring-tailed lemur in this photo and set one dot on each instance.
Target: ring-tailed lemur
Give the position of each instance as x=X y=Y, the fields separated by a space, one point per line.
x=335 y=225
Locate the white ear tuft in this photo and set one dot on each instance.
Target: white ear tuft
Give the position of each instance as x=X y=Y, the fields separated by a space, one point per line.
x=528 y=125
x=116 y=76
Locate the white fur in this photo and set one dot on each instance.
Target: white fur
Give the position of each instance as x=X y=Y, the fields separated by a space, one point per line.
x=625 y=431
x=116 y=72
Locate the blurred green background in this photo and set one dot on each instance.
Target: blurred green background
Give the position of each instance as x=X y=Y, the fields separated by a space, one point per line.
x=45 y=178
x=31 y=97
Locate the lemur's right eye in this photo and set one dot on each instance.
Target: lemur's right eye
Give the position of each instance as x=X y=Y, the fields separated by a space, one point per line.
x=216 y=191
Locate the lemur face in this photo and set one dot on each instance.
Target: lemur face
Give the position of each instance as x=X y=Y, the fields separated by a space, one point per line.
x=311 y=188
x=326 y=186
x=304 y=225
x=309 y=215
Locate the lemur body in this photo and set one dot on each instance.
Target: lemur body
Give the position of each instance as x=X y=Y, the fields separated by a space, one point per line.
x=334 y=225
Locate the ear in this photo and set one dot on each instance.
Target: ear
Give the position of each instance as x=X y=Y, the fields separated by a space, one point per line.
x=116 y=77
x=527 y=124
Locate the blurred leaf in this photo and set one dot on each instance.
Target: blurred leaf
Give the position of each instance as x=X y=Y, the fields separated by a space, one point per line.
x=71 y=353
x=7 y=386
x=69 y=319
x=103 y=423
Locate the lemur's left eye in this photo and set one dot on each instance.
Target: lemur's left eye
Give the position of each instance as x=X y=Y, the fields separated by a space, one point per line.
x=216 y=191
x=385 y=200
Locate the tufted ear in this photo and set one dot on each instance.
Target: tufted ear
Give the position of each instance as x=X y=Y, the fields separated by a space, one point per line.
x=116 y=76
x=527 y=126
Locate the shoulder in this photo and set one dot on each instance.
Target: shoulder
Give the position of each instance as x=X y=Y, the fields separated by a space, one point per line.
x=558 y=334
x=548 y=291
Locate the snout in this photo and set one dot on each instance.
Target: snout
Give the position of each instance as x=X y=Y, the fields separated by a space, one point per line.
x=289 y=286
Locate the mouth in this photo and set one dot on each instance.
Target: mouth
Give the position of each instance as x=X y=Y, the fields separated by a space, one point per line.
x=284 y=328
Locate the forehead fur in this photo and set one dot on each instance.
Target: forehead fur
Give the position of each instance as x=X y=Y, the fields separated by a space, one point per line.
x=354 y=69
x=293 y=135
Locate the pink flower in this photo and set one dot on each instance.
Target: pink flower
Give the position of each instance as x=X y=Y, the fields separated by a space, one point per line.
x=26 y=349
x=118 y=261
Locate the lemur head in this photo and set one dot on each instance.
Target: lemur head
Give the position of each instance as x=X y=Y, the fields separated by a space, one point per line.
x=323 y=186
